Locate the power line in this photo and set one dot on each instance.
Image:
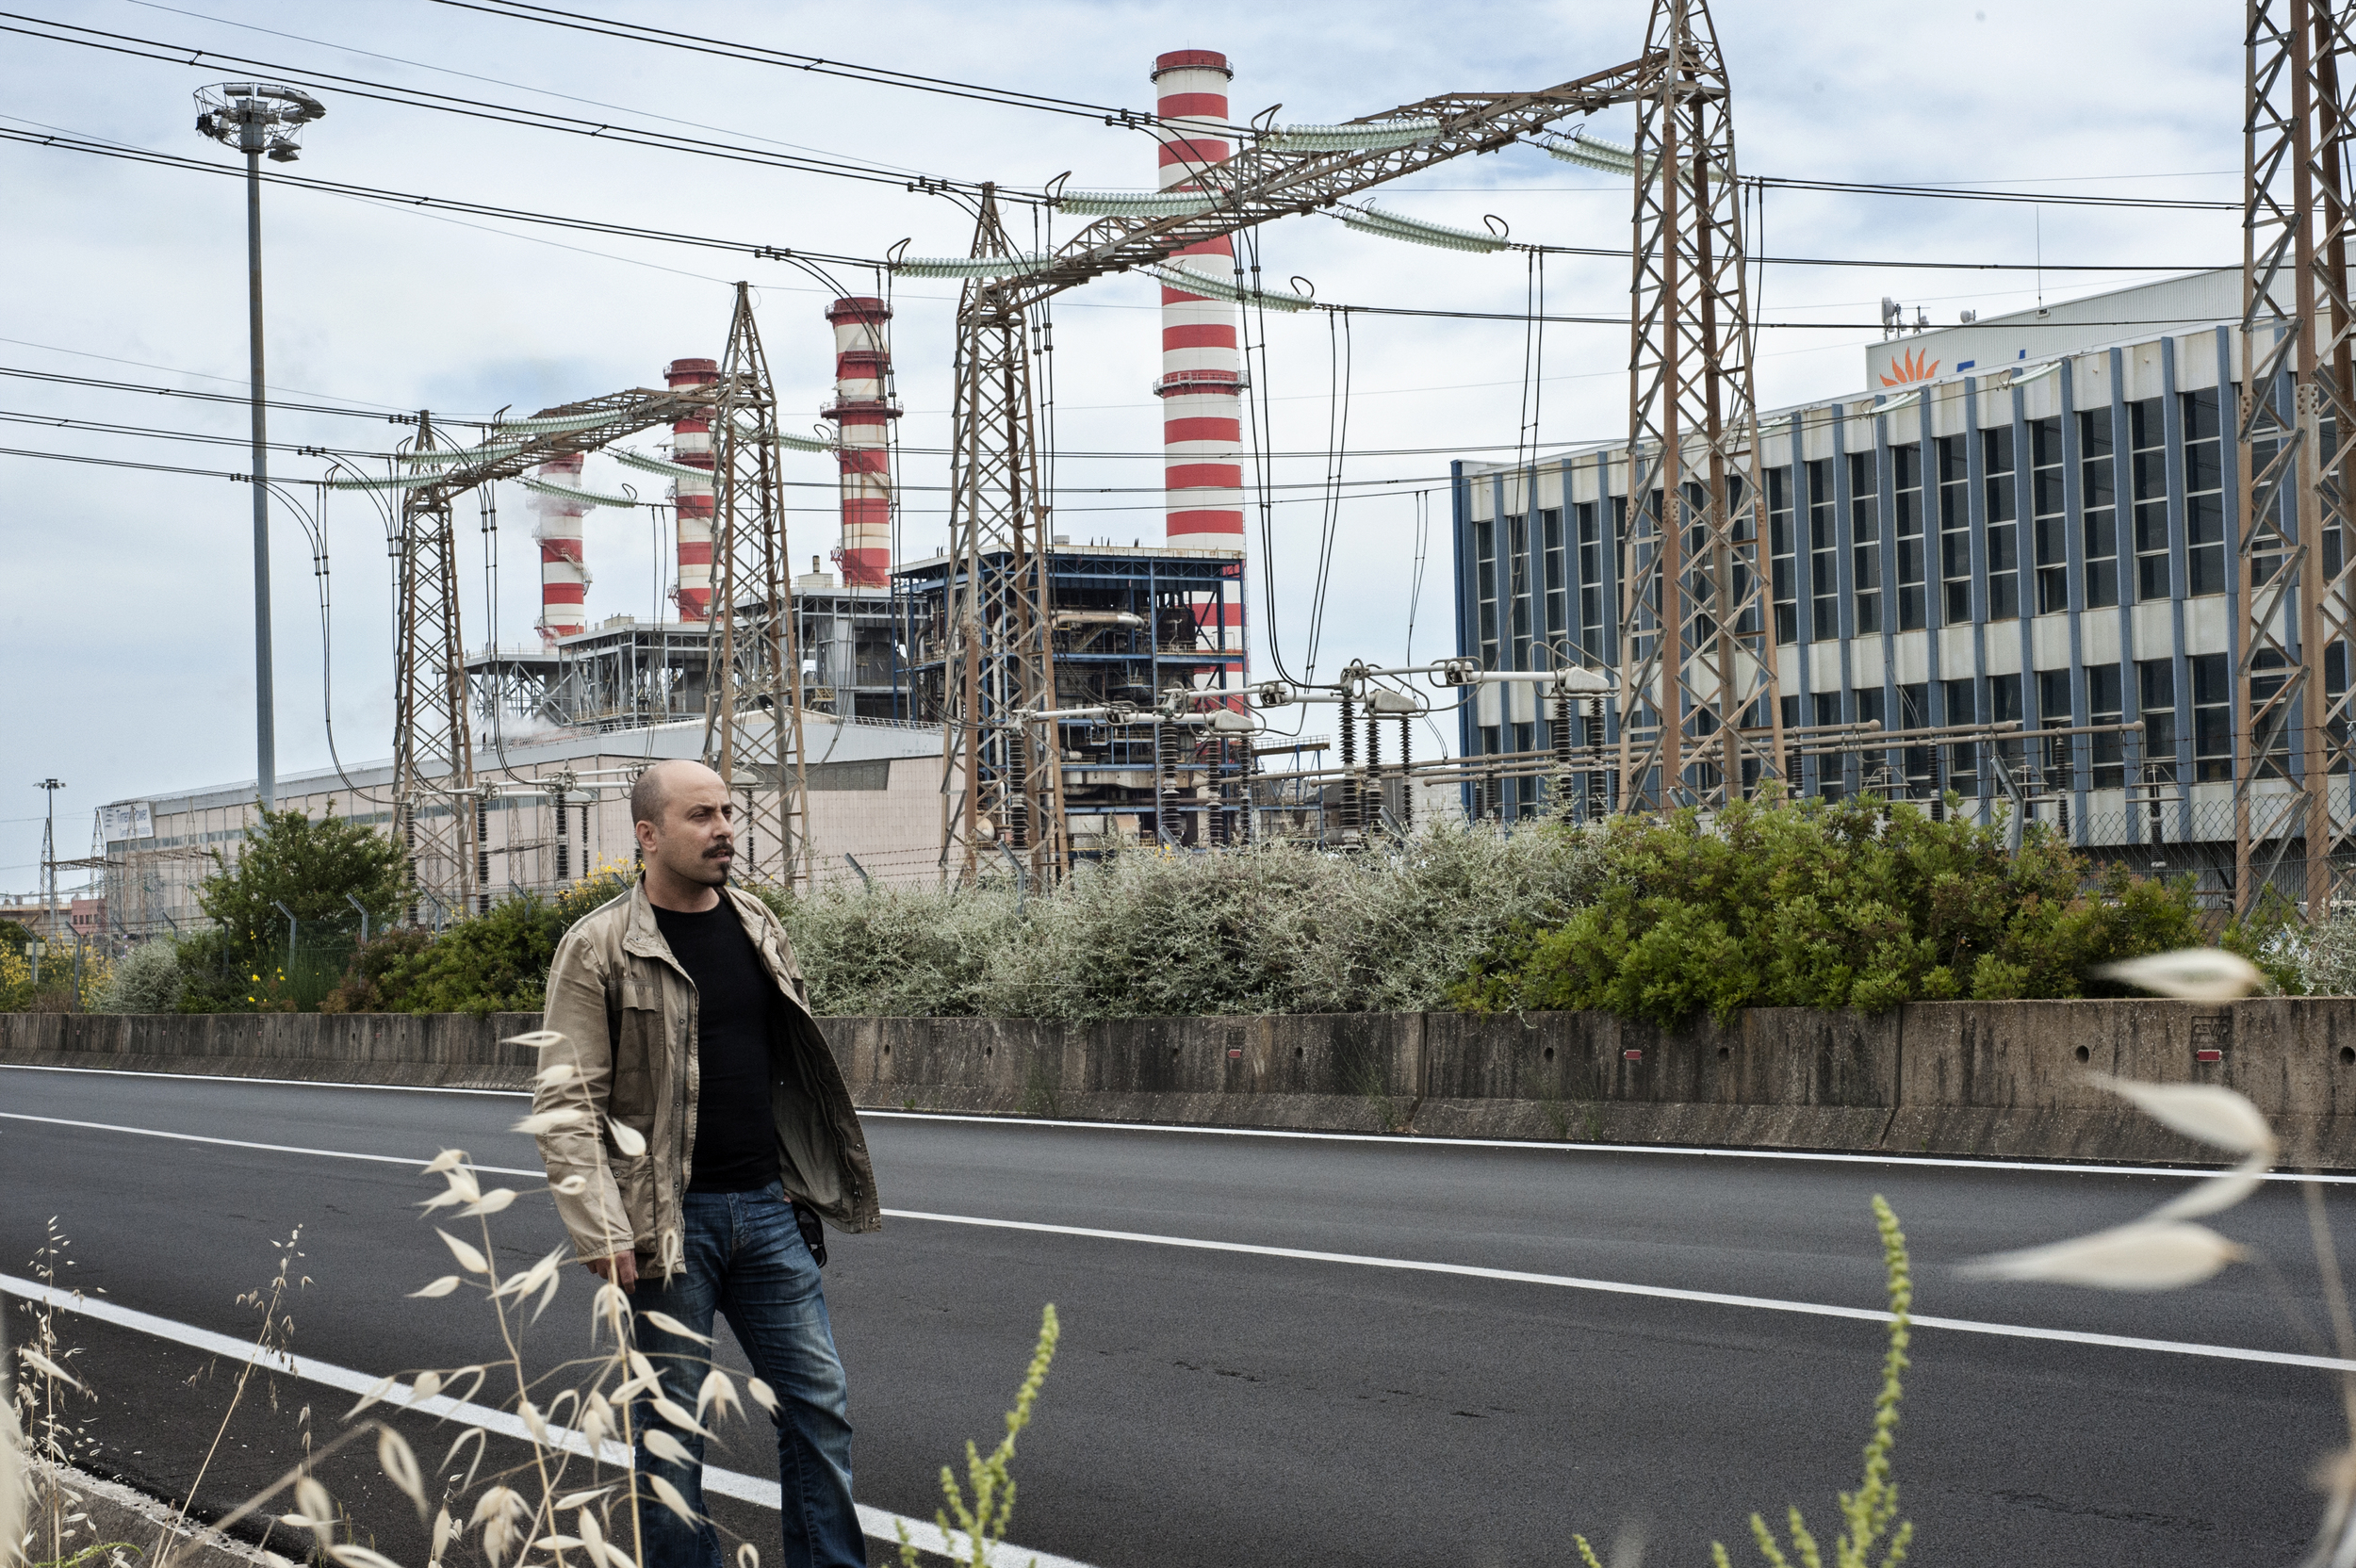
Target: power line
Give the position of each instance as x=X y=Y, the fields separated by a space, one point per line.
x=524 y=86
x=145 y=389
x=63 y=141
x=1872 y=187
x=508 y=114
x=632 y=32
x=98 y=427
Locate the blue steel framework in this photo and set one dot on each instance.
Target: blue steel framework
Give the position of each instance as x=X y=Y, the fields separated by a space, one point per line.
x=1126 y=629
x=2101 y=533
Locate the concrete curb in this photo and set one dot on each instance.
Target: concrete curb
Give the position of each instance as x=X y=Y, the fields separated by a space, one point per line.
x=1992 y=1080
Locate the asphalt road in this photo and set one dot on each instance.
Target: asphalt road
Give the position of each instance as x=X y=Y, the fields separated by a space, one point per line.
x=1243 y=1407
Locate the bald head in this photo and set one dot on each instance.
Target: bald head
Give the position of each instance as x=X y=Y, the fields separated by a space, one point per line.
x=658 y=784
x=686 y=832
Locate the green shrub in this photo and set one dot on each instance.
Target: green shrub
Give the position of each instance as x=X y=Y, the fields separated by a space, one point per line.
x=310 y=865
x=147 y=979
x=896 y=952
x=1157 y=933
x=1416 y=921
x=495 y=962
x=1806 y=903
x=1151 y=932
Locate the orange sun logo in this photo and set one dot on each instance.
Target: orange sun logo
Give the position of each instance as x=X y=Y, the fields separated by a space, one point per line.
x=1911 y=365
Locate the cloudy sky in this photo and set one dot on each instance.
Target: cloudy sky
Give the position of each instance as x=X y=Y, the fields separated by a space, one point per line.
x=127 y=595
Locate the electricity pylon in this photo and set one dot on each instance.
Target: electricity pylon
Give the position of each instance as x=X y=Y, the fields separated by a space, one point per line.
x=1000 y=736
x=1700 y=723
x=2291 y=588
x=753 y=736
x=1002 y=774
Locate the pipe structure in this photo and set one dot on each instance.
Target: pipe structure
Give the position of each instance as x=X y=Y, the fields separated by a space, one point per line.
x=1202 y=380
x=690 y=448
x=862 y=411
x=563 y=571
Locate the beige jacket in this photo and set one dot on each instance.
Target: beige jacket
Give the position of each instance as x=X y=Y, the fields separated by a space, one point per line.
x=627 y=1011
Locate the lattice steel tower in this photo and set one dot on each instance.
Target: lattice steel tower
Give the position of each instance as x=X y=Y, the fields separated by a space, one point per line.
x=2291 y=589
x=1700 y=722
x=754 y=736
x=1002 y=774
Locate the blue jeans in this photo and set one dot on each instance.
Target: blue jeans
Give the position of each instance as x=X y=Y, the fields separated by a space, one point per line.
x=745 y=1257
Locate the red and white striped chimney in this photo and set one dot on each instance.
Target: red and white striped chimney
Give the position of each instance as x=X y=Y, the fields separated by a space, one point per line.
x=563 y=575
x=862 y=411
x=691 y=446
x=1201 y=376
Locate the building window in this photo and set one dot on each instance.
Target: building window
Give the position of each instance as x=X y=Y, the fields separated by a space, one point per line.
x=2003 y=528
x=1873 y=766
x=1485 y=583
x=2057 y=757
x=1558 y=587
x=2212 y=718
x=1828 y=767
x=1823 y=549
x=1517 y=579
x=1963 y=759
x=2098 y=507
x=2106 y=704
x=1865 y=544
x=2049 y=526
x=1920 y=762
x=1591 y=622
x=1905 y=467
x=2004 y=705
x=2204 y=494
x=1525 y=789
x=1783 y=556
x=2148 y=475
x=1954 y=530
x=2155 y=692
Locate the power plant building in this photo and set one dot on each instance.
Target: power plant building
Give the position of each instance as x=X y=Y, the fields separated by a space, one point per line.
x=2026 y=518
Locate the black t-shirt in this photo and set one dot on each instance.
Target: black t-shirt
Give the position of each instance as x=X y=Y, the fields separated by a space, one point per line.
x=737 y=1011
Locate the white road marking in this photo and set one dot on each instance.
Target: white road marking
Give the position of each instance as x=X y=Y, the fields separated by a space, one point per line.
x=874 y=1522
x=1390 y=1140
x=414 y=1162
x=1660 y=1293
x=1355 y=1260
x=240 y=1078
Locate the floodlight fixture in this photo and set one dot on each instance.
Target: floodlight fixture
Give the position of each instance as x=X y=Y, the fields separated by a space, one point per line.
x=264 y=119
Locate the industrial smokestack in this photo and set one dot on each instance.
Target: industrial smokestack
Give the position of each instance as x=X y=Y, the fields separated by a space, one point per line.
x=563 y=575
x=691 y=446
x=862 y=411
x=1201 y=376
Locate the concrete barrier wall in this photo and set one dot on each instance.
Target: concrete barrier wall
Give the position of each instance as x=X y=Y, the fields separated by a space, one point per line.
x=1975 y=1079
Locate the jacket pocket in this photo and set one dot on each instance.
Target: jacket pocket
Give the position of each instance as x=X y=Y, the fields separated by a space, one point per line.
x=634 y=1175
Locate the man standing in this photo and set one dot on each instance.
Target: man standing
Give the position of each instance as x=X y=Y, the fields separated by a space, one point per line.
x=687 y=1024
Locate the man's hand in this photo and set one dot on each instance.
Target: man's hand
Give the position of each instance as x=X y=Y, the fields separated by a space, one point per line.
x=622 y=1269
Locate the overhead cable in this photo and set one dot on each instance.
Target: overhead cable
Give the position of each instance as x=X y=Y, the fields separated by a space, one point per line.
x=671 y=38
x=61 y=141
x=474 y=109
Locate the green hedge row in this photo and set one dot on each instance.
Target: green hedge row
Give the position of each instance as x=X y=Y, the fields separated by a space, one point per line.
x=1856 y=904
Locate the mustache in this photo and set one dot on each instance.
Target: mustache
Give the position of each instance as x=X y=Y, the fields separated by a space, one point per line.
x=716 y=851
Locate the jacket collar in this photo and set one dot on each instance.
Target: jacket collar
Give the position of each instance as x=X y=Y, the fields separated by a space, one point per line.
x=642 y=936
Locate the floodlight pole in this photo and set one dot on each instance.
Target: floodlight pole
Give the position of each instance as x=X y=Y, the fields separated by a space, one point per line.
x=250 y=142
x=257 y=118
